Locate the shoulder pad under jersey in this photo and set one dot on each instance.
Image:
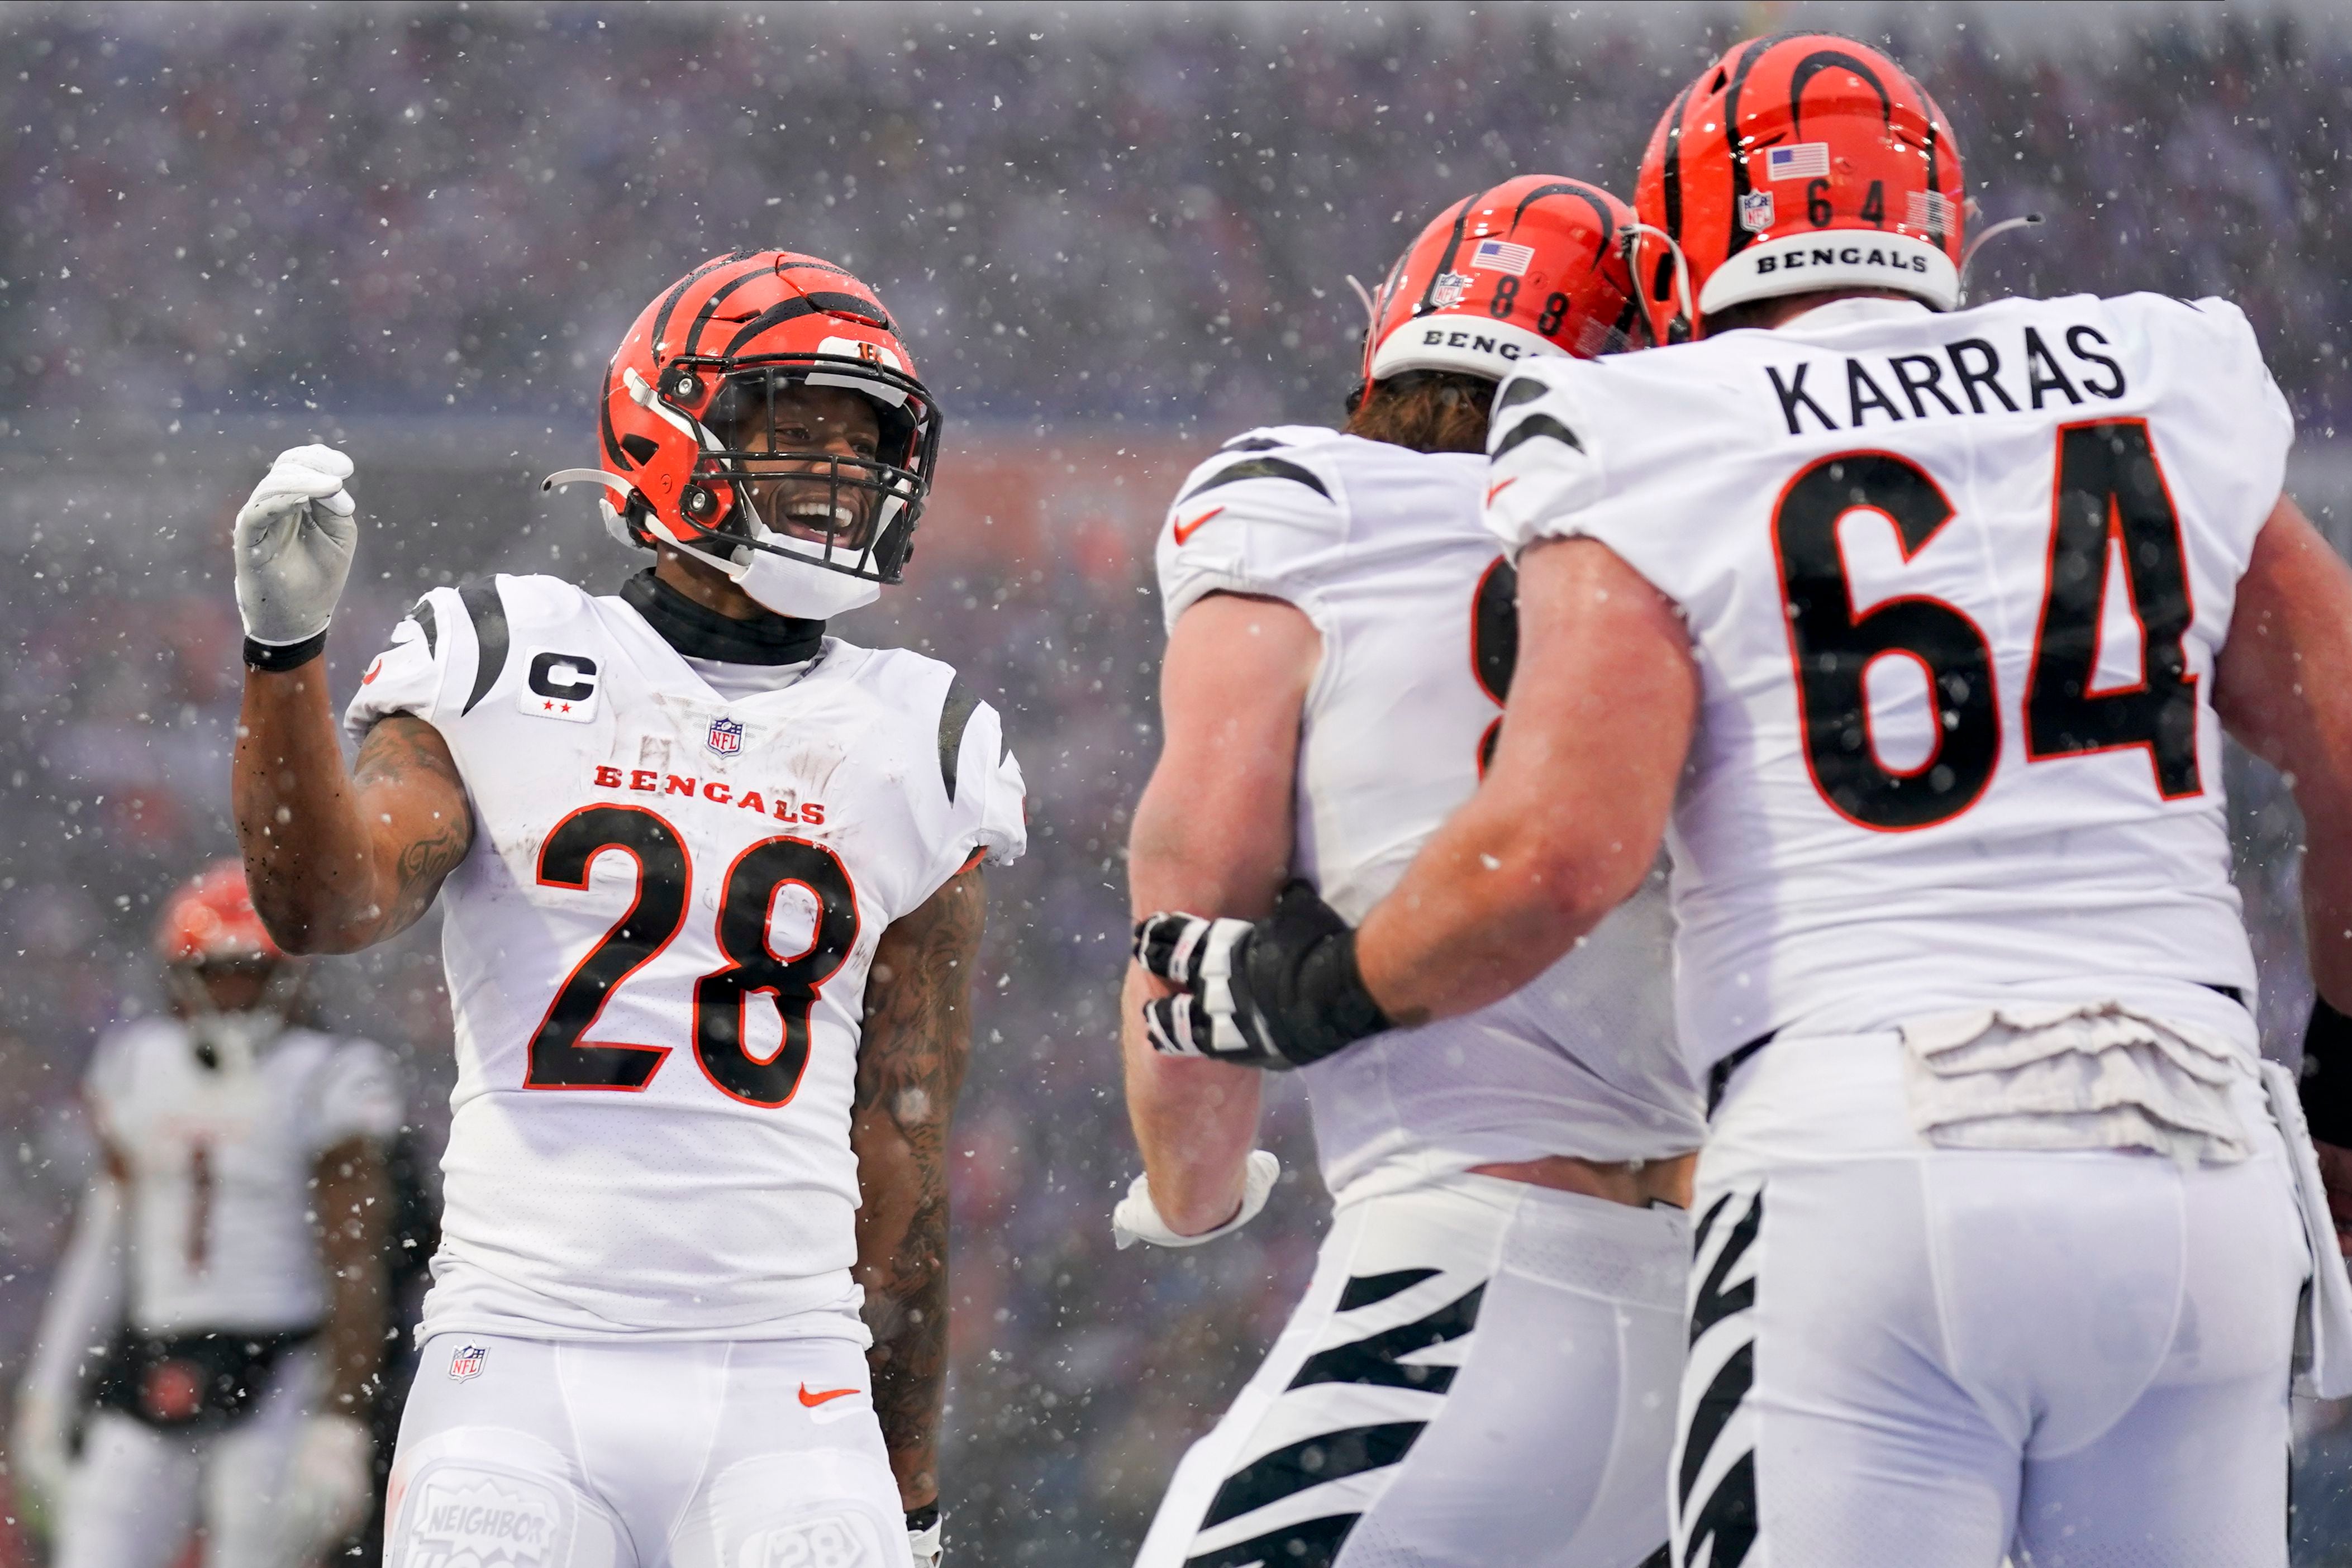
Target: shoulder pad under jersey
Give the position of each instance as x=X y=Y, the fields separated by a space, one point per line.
x=1257 y=518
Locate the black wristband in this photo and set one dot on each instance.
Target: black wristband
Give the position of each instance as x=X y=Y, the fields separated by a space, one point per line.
x=1332 y=993
x=921 y=1519
x=2327 y=1084
x=277 y=658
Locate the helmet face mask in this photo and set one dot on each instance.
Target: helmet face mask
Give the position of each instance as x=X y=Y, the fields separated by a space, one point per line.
x=230 y=985
x=823 y=472
x=761 y=418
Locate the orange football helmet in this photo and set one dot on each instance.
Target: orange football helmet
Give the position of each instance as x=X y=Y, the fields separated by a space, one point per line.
x=689 y=435
x=1534 y=266
x=211 y=920
x=1803 y=162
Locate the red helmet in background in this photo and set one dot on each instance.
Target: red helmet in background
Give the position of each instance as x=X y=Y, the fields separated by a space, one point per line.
x=211 y=920
x=1798 y=163
x=1532 y=267
x=690 y=462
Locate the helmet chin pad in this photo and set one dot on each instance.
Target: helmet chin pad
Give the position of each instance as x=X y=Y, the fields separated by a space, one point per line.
x=803 y=590
x=234 y=1042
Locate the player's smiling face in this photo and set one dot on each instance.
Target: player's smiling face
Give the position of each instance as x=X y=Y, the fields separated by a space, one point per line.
x=795 y=492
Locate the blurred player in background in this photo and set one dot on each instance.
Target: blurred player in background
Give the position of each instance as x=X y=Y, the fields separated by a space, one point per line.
x=1482 y=1369
x=713 y=902
x=1923 y=627
x=213 y=1342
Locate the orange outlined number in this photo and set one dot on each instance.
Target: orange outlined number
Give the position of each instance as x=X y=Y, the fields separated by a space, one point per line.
x=560 y=1055
x=2110 y=504
x=1495 y=643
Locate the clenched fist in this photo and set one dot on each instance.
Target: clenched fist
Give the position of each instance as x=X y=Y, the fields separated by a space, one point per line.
x=294 y=540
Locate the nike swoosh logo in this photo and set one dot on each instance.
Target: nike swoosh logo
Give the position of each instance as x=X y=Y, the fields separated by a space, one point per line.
x=1500 y=488
x=822 y=1394
x=1186 y=530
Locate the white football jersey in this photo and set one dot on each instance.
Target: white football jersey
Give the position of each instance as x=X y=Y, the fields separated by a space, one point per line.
x=1955 y=584
x=219 y=1164
x=1381 y=547
x=657 y=953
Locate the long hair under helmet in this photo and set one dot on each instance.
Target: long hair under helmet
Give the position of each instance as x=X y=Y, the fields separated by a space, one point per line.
x=1793 y=163
x=1532 y=267
x=694 y=456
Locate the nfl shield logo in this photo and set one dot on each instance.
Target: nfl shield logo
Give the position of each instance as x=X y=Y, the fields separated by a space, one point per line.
x=467 y=1361
x=1755 y=211
x=1449 y=289
x=726 y=738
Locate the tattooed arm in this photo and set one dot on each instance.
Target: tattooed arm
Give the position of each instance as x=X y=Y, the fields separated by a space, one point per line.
x=909 y=1067
x=340 y=859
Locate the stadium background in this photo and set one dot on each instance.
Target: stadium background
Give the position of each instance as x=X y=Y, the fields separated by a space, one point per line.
x=1115 y=235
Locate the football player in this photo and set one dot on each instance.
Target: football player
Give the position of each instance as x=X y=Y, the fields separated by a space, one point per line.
x=711 y=900
x=1483 y=1368
x=221 y=1303
x=1920 y=628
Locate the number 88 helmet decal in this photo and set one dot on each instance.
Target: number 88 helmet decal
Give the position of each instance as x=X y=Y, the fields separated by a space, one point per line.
x=1798 y=163
x=1532 y=267
x=762 y=416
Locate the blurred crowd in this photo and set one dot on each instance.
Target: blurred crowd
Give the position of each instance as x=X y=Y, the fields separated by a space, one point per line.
x=1145 y=214
x=418 y=231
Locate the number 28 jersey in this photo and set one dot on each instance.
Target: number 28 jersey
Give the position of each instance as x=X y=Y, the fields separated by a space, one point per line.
x=1955 y=585
x=657 y=952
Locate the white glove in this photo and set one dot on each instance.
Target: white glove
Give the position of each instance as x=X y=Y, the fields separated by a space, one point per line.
x=328 y=1482
x=294 y=540
x=923 y=1545
x=38 y=1461
x=1137 y=1217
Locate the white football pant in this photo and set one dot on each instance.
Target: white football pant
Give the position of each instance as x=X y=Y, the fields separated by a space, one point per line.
x=1906 y=1354
x=660 y=1454
x=137 y=1494
x=1482 y=1373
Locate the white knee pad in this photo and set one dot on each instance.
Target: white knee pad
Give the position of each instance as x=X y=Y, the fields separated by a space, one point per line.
x=489 y=1496
x=815 y=1507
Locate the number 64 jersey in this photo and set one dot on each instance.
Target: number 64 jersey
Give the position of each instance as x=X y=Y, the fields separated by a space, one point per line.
x=657 y=955
x=1955 y=586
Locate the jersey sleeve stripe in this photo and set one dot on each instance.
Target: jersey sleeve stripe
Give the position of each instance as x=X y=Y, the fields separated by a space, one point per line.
x=422 y=613
x=488 y=613
x=1259 y=468
x=1537 y=426
x=1516 y=391
x=955 y=714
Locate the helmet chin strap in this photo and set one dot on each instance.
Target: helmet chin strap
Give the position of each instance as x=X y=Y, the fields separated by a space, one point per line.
x=800 y=589
x=2029 y=221
x=1687 y=317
